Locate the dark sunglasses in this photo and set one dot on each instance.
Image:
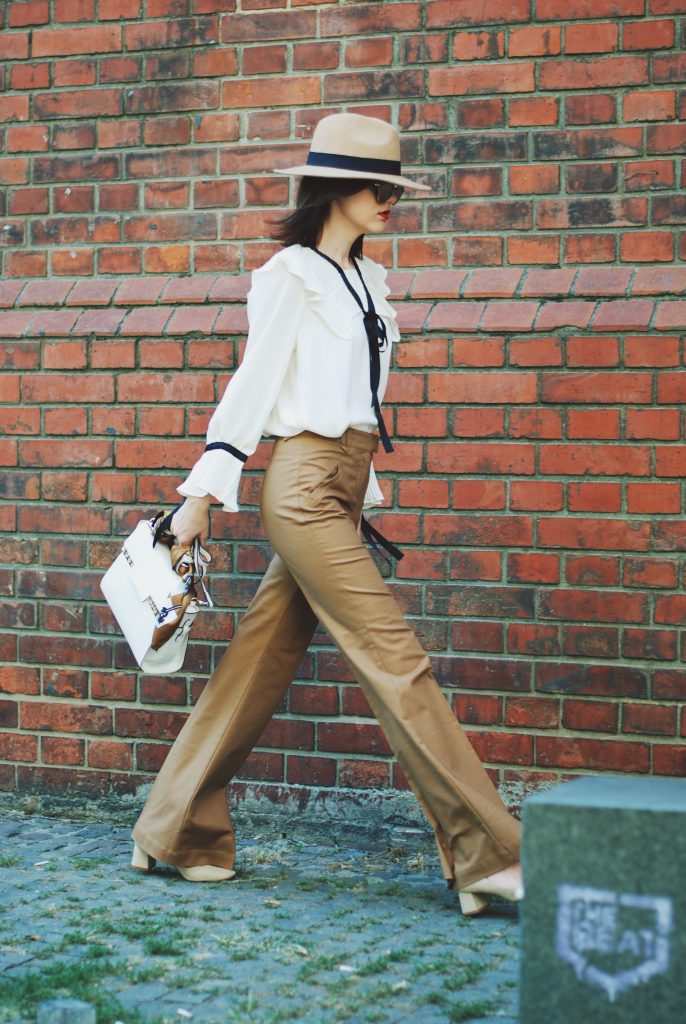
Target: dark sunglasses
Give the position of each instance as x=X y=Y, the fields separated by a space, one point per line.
x=385 y=190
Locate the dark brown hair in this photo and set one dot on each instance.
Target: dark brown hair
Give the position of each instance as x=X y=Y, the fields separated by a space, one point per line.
x=304 y=224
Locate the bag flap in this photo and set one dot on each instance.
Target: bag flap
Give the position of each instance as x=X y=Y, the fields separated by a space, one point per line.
x=150 y=567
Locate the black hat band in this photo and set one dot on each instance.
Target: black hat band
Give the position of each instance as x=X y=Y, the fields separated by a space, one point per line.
x=353 y=163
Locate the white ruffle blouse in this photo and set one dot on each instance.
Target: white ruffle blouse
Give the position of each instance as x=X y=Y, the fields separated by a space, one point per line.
x=305 y=367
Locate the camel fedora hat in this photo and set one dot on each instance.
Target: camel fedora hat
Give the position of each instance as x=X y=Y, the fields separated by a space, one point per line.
x=354 y=146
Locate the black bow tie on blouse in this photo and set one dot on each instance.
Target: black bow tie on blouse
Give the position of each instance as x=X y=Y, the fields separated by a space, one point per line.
x=377 y=339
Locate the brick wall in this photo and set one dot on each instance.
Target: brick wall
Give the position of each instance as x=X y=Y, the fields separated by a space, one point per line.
x=536 y=397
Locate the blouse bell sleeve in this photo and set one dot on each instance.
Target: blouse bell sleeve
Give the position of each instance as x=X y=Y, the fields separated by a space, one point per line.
x=275 y=304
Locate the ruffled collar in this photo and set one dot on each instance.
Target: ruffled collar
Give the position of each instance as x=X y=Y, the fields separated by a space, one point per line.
x=329 y=298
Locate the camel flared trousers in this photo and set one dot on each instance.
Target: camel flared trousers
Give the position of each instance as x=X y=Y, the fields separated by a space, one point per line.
x=311 y=506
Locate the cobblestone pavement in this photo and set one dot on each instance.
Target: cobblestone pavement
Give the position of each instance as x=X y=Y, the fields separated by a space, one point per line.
x=306 y=932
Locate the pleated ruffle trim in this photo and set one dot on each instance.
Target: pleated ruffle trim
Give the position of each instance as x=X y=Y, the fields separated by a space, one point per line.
x=328 y=296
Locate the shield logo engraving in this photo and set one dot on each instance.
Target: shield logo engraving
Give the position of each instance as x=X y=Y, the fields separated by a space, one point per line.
x=613 y=940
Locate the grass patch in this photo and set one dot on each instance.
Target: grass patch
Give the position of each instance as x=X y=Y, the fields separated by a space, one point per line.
x=20 y=994
x=90 y=863
x=475 y=1009
x=9 y=861
x=163 y=945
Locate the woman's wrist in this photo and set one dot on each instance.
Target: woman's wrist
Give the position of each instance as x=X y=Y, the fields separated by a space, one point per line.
x=195 y=501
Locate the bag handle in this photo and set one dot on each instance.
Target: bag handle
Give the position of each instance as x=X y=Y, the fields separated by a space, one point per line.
x=165 y=525
x=160 y=524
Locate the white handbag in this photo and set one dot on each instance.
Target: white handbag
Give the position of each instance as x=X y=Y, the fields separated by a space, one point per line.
x=151 y=588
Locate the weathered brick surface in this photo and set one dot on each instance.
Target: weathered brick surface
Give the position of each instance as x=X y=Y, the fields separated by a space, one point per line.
x=536 y=397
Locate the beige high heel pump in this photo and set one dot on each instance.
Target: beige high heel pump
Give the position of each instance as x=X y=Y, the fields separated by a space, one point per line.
x=142 y=861
x=506 y=883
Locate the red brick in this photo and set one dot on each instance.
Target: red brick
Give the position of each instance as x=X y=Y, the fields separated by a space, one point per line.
x=15 y=747
x=310 y=771
x=648 y=35
x=353 y=738
x=76 y=10
x=594 y=534
x=477 y=181
x=29 y=12
x=65 y=717
x=533 y=639
x=491 y=388
x=475 y=565
x=315 y=56
x=295 y=91
x=646 y=247
x=621 y=756
x=474 y=250
x=669 y=685
x=27 y=138
x=484 y=79
x=600 y=72
x=590 y=716
x=594 y=497
x=534 y=110
x=478 y=45
x=593 y=424
x=582 y=248
x=363 y=774
x=478 y=709
x=478 y=353
x=477 y=636
x=650 y=106
x=590 y=109
x=553 y=315
x=670 y=315
x=669 y=759
x=663 y=424
x=653 y=174
x=111 y=754
x=604 y=606
x=29 y=76
x=533 y=568
x=534 y=41
x=478 y=494
x=64 y=41
x=658 y=498
x=19 y=679
x=595 y=38
x=655 y=644
x=148 y=724
x=601 y=460
x=491 y=283
x=535 y=495
x=60 y=750
x=647 y=719
x=666 y=138
x=592 y=571
x=536 y=352
x=645 y=572
x=497 y=747
x=582 y=351
x=445 y=13
x=365 y=53
x=482 y=113
x=612 y=388
x=566 y=10
x=534 y=180
x=536 y=423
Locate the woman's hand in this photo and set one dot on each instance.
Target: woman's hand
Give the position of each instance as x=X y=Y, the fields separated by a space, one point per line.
x=192 y=520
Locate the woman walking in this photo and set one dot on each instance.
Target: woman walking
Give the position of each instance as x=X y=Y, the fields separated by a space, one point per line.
x=313 y=376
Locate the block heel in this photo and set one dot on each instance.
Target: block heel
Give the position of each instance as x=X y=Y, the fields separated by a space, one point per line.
x=472 y=903
x=141 y=860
